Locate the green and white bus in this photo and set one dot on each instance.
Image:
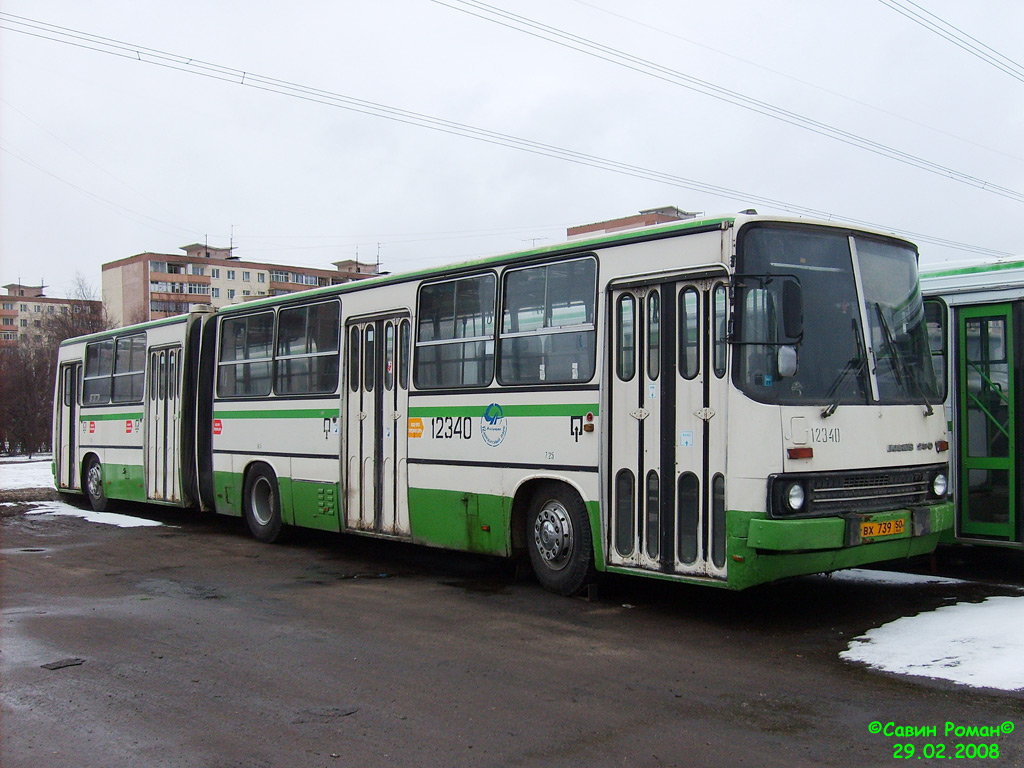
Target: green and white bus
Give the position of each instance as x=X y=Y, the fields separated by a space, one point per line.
x=976 y=326
x=724 y=401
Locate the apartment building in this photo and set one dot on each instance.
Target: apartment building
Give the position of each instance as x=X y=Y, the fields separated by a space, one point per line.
x=24 y=311
x=150 y=286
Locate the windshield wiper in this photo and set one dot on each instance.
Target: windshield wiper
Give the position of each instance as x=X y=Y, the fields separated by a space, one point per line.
x=900 y=364
x=856 y=365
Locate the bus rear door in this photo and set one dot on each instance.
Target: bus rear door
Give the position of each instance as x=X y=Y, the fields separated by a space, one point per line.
x=66 y=452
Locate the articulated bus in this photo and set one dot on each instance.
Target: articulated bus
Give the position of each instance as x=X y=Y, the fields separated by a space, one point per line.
x=724 y=401
x=976 y=326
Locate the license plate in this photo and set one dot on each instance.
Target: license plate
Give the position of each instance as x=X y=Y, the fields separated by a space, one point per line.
x=885 y=528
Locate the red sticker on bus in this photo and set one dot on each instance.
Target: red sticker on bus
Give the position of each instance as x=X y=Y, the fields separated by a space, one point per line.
x=128 y=427
x=216 y=426
x=92 y=427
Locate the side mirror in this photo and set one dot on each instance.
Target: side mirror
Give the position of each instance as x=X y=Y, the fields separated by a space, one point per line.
x=792 y=309
x=787 y=360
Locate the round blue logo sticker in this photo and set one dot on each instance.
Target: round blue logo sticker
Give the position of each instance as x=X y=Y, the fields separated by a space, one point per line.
x=493 y=425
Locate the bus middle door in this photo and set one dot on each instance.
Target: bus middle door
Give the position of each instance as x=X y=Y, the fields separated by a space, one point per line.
x=162 y=425
x=377 y=433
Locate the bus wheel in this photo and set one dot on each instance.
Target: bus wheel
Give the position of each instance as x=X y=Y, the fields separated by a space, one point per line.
x=559 y=539
x=94 y=485
x=263 y=504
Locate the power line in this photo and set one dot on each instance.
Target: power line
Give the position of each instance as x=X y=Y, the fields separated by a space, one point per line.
x=77 y=38
x=807 y=83
x=117 y=208
x=957 y=36
x=91 y=162
x=597 y=50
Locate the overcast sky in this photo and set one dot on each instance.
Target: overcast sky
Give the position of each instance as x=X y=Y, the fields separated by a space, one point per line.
x=103 y=157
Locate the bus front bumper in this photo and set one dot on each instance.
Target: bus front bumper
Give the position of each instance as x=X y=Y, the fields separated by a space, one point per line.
x=773 y=549
x=850 y=530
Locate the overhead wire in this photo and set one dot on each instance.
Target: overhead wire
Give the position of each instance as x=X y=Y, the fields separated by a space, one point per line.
x=96 y=43
x=662 y=30
x=116 y=207
x=925 y=18
x=620 y=58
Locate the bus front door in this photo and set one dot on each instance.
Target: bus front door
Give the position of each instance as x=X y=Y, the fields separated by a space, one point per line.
x=162 y=425
x=988 y=471
x=666 y=484
x=376 y=477
x=66 y=451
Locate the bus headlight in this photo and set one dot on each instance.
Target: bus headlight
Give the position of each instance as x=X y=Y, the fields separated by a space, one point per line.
x=939 y=485
x=795 y=497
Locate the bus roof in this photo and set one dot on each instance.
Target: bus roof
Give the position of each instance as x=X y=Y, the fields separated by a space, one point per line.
x=992 y=275
x=582 y=245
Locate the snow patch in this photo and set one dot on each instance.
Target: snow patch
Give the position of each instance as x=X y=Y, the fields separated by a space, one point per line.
x=23 y=473
x=106 y=518
x=890 y=577
x=976 y=644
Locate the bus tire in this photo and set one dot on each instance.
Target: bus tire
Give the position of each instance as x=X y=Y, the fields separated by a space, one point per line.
x=262 y=502
x=559 y=539
x=94 y=485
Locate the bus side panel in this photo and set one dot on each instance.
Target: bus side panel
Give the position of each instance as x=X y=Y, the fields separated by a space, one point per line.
x=474 y=522
x=114 y=437
x=226 y=487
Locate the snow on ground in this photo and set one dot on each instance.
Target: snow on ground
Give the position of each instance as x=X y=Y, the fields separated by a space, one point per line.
x=25 y=473
x=889 y=577
x=977 y=644
x=107 y=518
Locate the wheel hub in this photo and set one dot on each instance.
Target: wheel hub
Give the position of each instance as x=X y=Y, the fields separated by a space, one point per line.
x=94 y=479
x=553 y=535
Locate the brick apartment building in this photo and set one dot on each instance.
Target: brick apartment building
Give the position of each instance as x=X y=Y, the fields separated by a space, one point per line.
x=150 y=286
x=25 y=309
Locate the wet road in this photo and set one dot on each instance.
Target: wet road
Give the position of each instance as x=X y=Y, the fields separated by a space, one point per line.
x=190 y=644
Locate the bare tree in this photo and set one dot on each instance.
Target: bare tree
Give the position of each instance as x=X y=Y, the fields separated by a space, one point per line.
x=27 y=372
x=85 y=314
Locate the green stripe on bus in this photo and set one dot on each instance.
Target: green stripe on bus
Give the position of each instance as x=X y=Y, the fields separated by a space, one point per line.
x=545 y=409
x=976 y=270
x=291 y=413
x=110 y=416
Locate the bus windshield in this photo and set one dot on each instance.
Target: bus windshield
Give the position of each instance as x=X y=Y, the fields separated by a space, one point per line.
x=852 y=347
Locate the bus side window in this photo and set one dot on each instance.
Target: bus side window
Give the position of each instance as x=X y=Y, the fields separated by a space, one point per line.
x=307 y=349
x=99 y=365
x=935 y=316
x=246 y=354
x=129 y=369
x=547 y=329
x=455 y=333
